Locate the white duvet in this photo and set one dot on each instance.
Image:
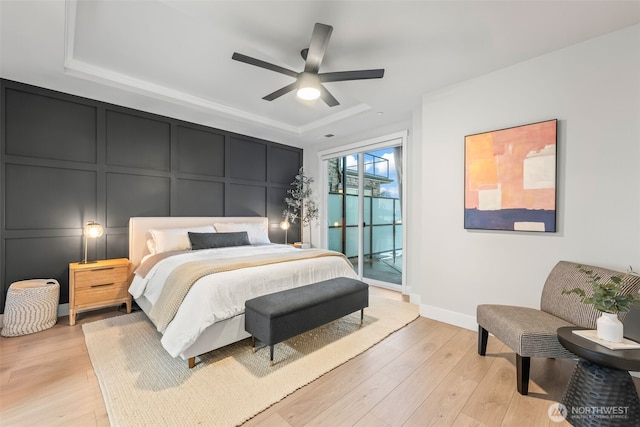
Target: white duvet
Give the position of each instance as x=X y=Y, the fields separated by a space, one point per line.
x=222 y=295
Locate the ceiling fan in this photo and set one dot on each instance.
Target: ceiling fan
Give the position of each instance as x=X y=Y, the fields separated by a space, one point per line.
x=309 y=82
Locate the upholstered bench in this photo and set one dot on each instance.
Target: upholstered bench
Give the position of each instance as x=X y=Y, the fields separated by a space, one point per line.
x=276 y=317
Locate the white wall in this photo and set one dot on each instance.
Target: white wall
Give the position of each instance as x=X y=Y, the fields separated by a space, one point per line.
x=593 y=89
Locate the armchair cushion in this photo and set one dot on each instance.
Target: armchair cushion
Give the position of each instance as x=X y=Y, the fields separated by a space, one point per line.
x=527 y=331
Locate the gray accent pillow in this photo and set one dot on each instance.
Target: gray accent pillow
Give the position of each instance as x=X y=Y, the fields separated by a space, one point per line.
x=218 y=240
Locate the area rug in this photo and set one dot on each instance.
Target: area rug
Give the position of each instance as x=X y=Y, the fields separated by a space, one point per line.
x=143 y=386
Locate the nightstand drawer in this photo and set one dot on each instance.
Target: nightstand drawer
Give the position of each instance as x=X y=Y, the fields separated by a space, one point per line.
x=101 y=276
x=101 y=293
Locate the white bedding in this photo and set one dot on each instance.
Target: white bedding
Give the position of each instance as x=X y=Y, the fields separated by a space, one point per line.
x=222 y=295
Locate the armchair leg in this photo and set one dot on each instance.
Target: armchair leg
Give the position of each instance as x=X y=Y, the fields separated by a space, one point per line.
x=523 y=364
x=483 y=336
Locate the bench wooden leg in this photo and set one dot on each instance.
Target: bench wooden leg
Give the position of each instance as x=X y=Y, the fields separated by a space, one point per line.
x=271 y=355
x=483 y=336
x=361 y=316
x=523 y=365
x=192 y=362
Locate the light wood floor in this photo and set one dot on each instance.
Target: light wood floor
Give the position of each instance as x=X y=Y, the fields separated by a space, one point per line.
x=428 y=373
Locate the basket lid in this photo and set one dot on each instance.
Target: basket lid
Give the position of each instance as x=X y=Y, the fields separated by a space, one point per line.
x=34 y=283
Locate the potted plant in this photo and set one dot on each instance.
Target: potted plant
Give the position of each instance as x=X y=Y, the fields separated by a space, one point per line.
x=300 y=205
x=607 y=298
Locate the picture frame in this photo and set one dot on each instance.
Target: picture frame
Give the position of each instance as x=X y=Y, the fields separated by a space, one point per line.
x=511 y=178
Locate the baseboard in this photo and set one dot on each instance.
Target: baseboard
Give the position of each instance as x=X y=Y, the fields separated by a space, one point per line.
x=63 y=310
x=448 y=316
x=414 y=298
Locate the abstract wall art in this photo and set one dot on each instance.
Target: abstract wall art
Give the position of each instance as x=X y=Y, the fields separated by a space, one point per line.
x=510 y=179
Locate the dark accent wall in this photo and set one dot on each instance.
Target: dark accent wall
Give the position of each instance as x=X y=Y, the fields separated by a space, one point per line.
x=67 y=160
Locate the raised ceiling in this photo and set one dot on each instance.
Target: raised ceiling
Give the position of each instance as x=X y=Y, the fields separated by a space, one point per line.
x=174 y=57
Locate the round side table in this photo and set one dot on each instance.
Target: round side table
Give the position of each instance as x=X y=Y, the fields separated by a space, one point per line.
x=600 y=391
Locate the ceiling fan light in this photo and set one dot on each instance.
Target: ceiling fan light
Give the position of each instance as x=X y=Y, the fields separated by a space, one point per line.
x=308 y=87
x=308 y=93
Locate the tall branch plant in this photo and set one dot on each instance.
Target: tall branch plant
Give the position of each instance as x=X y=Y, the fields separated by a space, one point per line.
x=300 y=203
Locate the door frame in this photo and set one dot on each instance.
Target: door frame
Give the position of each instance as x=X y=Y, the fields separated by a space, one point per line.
x=373 y=144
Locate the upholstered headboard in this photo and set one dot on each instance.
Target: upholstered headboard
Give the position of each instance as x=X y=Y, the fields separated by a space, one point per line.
x=139 y=229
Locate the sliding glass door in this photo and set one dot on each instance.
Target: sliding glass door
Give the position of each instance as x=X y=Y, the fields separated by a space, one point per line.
x=364 y=212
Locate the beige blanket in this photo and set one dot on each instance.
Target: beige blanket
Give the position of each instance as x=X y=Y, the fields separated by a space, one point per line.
x=146 y=266
x=184 y=276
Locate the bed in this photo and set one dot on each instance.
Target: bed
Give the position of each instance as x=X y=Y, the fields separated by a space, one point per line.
x=212 y=313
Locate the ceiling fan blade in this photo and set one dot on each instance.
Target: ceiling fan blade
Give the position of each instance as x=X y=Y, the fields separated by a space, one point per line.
x=351 y=75
x=326 y=96
x=317 y=47
x=278 y=93
x=262 y=64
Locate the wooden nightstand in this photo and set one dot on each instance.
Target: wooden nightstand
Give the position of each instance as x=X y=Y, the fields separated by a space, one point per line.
x=98 y=284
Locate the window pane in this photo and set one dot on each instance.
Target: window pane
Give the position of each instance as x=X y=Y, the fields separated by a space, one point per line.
x=335 y=239
x=335 y=210
x=382 y=238
x=352 y=210
x=382 y=211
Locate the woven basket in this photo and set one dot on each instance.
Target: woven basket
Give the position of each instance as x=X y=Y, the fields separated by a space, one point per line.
x=32 y=306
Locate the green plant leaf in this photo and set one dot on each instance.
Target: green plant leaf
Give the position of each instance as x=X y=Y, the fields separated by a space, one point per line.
x=607 y=296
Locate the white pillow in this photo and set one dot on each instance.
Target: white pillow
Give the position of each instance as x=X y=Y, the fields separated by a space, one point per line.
x=151 y=246
x=176 y=239
x=255 y=230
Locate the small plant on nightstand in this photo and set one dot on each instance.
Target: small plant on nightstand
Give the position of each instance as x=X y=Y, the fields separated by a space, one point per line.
x=607 y=298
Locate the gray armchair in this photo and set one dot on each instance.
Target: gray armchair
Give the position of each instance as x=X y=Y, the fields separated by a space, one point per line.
x=531 y=332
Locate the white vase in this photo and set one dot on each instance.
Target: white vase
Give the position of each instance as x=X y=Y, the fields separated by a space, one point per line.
x=609 y=327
